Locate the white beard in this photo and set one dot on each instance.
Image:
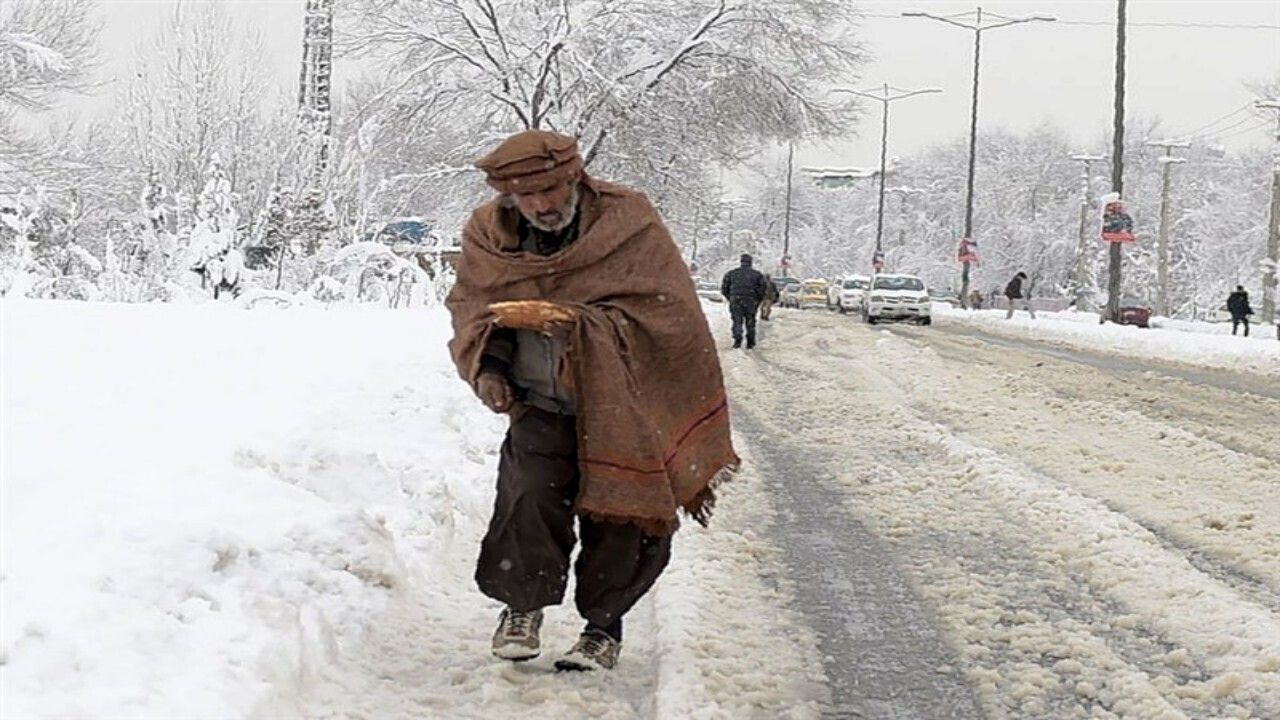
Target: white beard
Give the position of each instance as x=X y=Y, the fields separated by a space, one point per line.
x=570 y=213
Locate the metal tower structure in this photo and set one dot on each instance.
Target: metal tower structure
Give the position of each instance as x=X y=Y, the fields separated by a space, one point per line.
x=314 y=88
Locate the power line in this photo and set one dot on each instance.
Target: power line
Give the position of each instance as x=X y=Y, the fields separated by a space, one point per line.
x=1217 y=132
x=1229 y=131
x=1202 y=128
x=1101 y=23
x=1195 y=26
x=1243 y=131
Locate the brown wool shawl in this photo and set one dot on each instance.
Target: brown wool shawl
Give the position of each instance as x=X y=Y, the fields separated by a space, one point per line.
x=652 y=417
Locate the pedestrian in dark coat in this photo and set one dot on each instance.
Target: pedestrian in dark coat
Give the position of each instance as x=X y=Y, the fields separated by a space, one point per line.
x=1018 y=296
x=745 y=288
x=1238 y=306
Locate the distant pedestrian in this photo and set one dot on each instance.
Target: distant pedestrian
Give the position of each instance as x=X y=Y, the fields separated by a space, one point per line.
x=1238 y=306
x=1018 y=295
x=975 y=300
x=771 y=295
x=744 y=288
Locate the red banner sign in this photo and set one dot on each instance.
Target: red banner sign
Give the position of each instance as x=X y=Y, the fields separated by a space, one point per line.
x=968 y=251
x=1117 y=224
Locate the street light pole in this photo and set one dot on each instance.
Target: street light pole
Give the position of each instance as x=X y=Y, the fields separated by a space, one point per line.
x=1167 y=161
x=884 y=151
x=884 y=95
x=977 y=26
x=1271 y=273
x=786 y=227
x=1085 y=257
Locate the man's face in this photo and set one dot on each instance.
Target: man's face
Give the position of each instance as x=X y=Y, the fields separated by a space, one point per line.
x=550 y=210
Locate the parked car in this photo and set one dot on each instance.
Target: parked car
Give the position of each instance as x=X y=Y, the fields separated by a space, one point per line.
x=897 y=297
x=708 y=290
x=848 y=293
x=403 y=235
x=1221 y=315
x=789 y=296
x=1135 y=312
x=782 y=282
x=813 y=293
x=944 y=296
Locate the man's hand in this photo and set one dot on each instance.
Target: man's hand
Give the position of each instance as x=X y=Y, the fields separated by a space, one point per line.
x=494 y=391
x=560 y=331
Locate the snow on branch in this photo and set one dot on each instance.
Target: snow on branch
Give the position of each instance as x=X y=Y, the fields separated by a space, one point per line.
x=46 y=48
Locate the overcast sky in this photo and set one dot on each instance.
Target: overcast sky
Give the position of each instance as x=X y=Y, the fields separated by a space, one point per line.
x=1061 y=72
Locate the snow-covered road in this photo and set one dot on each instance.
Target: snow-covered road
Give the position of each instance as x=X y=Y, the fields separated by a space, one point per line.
x=941 y=526
x=931 y=523
x=1089 y=541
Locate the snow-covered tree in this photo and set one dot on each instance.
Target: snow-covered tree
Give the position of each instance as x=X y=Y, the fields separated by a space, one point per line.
x=47 y=49
x=1026 y=216
x=653 y=90
x=18 y=218
x=213 y=250
x=198 y=88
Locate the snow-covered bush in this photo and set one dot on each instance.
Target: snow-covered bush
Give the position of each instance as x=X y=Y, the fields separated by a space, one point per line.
x=371 y=272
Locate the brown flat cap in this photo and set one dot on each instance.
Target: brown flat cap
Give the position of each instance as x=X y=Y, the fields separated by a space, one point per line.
x=532 y=161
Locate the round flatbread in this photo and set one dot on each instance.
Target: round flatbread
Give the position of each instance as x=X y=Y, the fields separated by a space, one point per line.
x=531 y=314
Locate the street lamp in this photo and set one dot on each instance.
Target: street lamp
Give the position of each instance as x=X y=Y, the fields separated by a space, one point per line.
x=886 y=95
x=977 y=23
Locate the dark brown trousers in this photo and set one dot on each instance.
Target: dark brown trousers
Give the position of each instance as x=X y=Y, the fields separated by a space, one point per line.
x=524 y=558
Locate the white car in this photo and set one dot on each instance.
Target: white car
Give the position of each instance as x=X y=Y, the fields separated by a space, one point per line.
x=1221 y=315
x=708 y=290
x=897 y=297
x=847 y=294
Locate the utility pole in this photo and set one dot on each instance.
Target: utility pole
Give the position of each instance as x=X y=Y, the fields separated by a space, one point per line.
x=974 y=22
x=884 y=95
x=1084 y=252
x=1167 y=161
x=1269 y=273
x=786 y=226
x=1117 y=164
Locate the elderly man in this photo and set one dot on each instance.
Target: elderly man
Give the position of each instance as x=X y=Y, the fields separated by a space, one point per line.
x=574 y=314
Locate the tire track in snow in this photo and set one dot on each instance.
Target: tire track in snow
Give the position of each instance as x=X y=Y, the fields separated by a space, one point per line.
x=1151 y=681
x=995 y=647
x=1240 y=383
x=1241 y=420
x=881 y=654
x=1250 y=417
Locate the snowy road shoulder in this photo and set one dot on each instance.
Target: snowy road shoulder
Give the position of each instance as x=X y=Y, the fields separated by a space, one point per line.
x=1210 y=348
x=212 y=513
x=713 y=639
x=202 y=505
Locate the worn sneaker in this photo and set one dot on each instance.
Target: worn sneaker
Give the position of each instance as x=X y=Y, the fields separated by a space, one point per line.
x=516 y=638
x=593 y=651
